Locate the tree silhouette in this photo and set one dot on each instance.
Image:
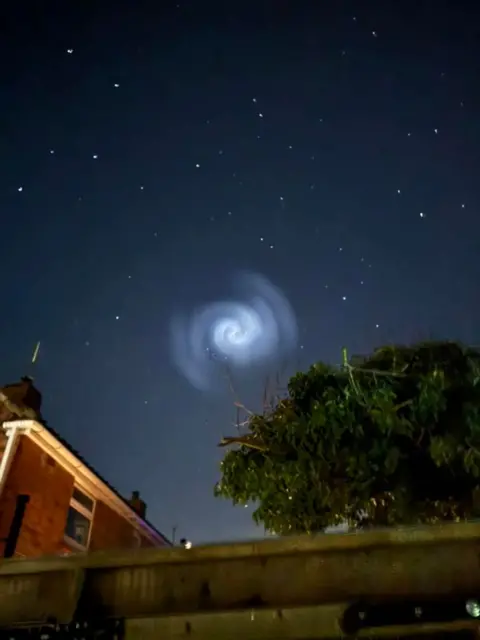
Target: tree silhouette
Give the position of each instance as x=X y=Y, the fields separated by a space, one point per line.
x=387 y=439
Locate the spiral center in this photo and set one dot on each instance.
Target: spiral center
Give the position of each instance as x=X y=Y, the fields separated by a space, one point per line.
x=230 y=334
x=244 y=333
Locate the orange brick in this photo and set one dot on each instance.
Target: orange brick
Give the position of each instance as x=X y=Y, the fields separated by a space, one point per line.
x=50 y=489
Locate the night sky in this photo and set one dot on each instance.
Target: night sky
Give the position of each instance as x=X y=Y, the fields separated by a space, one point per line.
x=169 y=170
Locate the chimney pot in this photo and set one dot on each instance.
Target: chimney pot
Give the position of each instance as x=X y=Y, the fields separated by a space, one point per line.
x=137 y=504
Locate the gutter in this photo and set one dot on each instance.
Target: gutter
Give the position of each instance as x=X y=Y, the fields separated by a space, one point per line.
x=13 y=430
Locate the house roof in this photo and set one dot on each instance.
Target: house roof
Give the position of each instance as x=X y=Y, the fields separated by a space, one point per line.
x=22 y=400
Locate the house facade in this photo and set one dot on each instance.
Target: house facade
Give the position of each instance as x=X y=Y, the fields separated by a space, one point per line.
x=51 y=500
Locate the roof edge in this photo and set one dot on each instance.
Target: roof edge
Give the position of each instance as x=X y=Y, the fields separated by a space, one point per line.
x=85 y=477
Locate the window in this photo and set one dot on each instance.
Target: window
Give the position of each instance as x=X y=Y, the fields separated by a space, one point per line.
x=79 y=520
x=82 y=499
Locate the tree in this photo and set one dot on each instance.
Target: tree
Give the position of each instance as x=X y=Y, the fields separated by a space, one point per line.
x=393 y=441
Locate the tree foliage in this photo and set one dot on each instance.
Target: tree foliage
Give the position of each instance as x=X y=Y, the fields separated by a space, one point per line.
x=395 y=440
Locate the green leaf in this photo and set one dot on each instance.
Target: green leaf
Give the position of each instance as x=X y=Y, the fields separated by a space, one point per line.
x=395 y=440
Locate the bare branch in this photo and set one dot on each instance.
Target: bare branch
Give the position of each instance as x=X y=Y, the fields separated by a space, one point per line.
x=377 y=372
x=242 y=406
x=239 y=405
x=245 y=441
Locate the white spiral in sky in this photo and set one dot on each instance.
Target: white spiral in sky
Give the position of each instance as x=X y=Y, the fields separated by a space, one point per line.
x=251 y=329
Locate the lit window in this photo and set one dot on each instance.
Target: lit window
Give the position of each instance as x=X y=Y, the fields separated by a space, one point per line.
x=79 y=520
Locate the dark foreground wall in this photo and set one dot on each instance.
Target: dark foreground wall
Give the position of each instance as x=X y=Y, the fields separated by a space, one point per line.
x=382 y=583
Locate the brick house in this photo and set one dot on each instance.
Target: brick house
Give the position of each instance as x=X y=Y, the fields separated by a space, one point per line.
x=51 y=500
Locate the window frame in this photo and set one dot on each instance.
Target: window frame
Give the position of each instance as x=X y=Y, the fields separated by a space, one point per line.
x=80 y=505
x=86 y=513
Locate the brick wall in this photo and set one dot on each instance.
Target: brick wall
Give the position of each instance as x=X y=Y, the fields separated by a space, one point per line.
x=111 y=531
x=50 y=488
x=3 y=443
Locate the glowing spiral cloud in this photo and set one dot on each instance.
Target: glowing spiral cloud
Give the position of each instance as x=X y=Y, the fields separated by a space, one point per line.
x=252 y=329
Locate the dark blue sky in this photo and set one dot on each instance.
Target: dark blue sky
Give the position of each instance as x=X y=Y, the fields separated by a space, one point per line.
x=347 y=137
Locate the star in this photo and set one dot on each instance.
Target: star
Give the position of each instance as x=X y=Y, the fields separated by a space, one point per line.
x=73 y=243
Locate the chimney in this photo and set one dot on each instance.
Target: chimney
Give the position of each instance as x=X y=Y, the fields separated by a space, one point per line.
x=137 y=504
x=32 y=398
x=24 y=397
